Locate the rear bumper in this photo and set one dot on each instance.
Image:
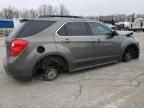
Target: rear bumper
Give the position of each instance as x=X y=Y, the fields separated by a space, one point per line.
x=18 y=71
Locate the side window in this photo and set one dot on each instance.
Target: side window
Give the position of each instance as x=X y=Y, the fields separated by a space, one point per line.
x=99 y=29
x=62 y=31
x=73 y=29
x=34 y=27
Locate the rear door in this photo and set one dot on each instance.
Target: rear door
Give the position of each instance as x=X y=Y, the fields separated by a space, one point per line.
x=107 y=47
x=74 y=41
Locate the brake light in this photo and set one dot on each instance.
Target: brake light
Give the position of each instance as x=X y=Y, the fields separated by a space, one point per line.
x=17 y=46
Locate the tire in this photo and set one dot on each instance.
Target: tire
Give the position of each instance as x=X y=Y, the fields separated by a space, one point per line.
x=128 y=55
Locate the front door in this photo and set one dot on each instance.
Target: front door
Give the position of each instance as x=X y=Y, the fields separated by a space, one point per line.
x=107 y=46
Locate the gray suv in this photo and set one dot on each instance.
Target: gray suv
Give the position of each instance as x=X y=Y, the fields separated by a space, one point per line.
x=46 y=46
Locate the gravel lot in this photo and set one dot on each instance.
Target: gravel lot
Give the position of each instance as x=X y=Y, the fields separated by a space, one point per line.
x=118 y=85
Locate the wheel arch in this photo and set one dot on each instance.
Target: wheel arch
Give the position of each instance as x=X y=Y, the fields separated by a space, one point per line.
x=59 y=59
x=131 y=45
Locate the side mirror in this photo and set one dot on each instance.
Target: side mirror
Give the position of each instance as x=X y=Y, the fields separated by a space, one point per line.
x=114 y=33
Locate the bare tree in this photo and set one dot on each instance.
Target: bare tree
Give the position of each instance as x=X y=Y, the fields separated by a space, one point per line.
x=33 y=13
x=45 y=10
x=28 y=13
x=63 y=10
x=51 y=10
x=16 y=13
x=9 y=12
x=1 y=15
x=24 y=13
x=42 y=10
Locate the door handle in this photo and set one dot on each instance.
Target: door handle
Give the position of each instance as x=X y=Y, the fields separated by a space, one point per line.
x=66 y=41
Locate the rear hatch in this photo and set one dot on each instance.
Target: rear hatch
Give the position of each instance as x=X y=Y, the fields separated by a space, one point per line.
x=13 y=35
x=26 y=28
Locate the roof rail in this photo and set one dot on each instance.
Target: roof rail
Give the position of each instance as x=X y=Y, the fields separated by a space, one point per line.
x=65 y=16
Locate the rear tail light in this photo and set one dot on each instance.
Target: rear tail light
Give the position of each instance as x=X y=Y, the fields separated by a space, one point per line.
x=17 y=46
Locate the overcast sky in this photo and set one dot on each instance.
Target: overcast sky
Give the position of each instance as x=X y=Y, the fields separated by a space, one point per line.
x=84 y=7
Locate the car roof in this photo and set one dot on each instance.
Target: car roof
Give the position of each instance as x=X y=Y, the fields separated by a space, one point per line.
x=62 y=18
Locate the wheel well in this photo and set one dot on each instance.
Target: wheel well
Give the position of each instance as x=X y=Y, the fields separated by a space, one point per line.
x=59 y=60
x=136 y=50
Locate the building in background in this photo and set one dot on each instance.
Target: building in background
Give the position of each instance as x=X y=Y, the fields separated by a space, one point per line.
x=123 y=25
x=6 y=26
x=6 y=23
x=138 y=24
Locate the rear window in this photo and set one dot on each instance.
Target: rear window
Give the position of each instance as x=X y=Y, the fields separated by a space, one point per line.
x=29 y=28
x=15 y=33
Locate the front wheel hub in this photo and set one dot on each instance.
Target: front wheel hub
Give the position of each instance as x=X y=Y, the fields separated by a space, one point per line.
x=128 y=57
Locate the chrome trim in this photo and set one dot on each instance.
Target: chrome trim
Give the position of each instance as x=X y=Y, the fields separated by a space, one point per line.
x=60 y=28
x=78 y=21
x=63 y=25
